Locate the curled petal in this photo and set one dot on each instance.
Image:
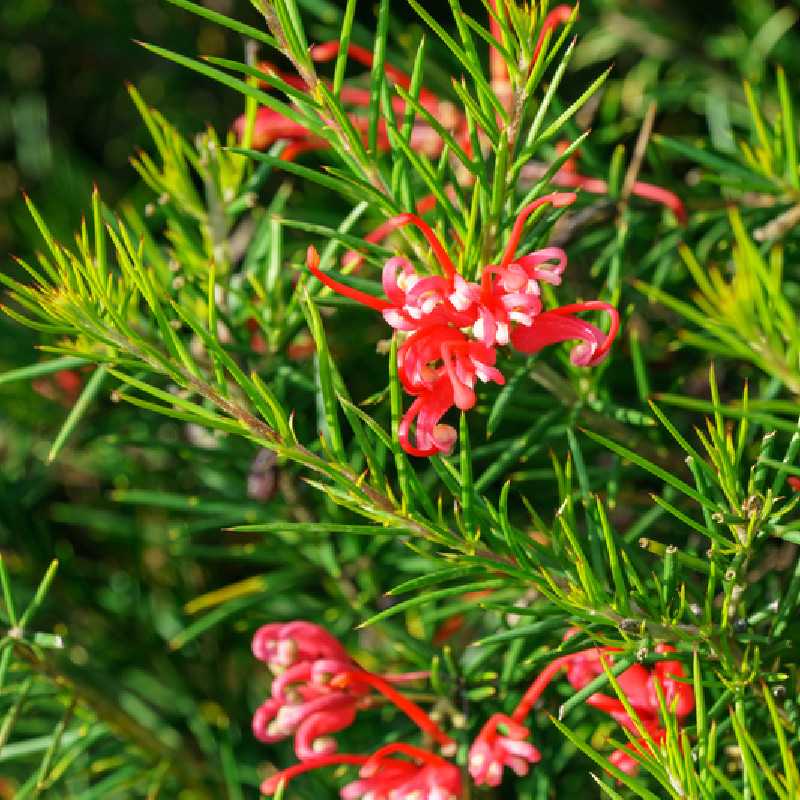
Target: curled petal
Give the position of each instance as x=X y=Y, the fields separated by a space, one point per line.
x=559 y=325
x=281 y=645
x=300 y=672
x=433 y=778
x=391 y=287
x=262 y=719
x=265 y=640
x=493 y=751
x=540 y=266
x=557 y=199
x=426 y=411
x=312 y=738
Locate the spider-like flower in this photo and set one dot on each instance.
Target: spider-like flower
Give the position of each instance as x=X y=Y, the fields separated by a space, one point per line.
x=317 y=689
x=453 y=326
x=425 y=776
x=489 y=753
x=501 y=743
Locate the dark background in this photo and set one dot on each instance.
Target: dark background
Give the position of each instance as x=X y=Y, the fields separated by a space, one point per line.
x=66 y=119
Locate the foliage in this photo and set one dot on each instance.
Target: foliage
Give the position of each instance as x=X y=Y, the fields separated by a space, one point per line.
x=228 y=454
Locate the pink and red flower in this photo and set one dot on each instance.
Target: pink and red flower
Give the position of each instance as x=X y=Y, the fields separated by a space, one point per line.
x=425 y=776
x=317 y=689
x=500 y=744
x=453 y=326
x=640 y=685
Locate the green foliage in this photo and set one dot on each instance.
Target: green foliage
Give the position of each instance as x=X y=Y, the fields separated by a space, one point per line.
x=242 y=481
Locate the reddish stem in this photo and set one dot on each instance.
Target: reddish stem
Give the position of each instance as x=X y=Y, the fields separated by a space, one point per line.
x=558 y=200
x=535 y=690
x=354 y=258
x=270 y=785
x=408 y=707
x=312 y=260
x=417 y=753
x=431 y=238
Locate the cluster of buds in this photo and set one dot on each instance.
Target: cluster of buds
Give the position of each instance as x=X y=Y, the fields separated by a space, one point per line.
x=303 y=658
x=318 y=689
x=452 y=326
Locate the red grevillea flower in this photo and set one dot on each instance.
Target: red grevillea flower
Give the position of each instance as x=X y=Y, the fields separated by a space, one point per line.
x=452 y=326
x=638 y=683
x=303 y=658
x=501 y=743
x=317 y=689
x=425 y=776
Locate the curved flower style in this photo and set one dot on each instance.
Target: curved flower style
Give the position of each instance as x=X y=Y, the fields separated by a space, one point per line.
x=425 y=777
x=638 y=683
x=317 y=690
x=452 y=326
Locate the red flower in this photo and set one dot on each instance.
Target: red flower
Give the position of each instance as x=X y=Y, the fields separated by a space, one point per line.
x=318 y=689
x=425 y=777
x=637 y=683
x=303 y=657
x=453 y=325
x=493 y=750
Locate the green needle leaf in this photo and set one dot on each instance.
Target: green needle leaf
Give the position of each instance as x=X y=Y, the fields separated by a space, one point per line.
x=82 y=404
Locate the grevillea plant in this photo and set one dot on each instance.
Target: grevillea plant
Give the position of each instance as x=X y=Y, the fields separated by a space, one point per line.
x=409 y=518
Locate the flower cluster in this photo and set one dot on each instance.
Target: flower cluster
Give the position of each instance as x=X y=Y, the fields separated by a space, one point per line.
x=302 y=658
x=318 y=689
x=640 y=685
x=425 y=776
x=452 y=326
